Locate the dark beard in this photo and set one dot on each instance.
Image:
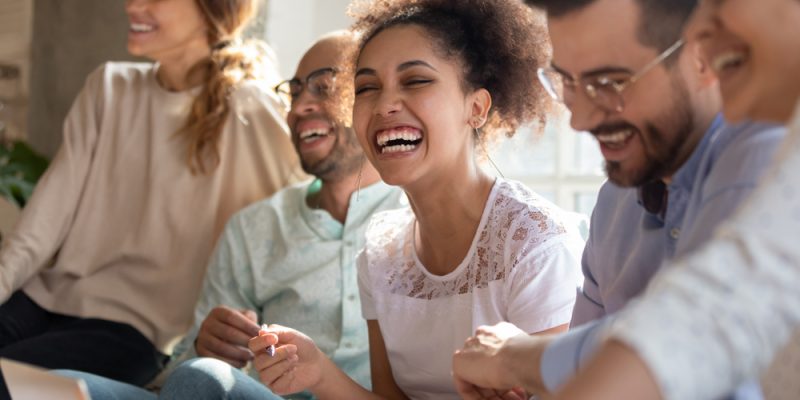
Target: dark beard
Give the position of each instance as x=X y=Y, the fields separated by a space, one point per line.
x=344 y=159
x=661 y=157
x=663 y=153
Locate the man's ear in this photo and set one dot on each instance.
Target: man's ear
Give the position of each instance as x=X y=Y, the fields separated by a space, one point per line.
x=481 y=101
x=705 y=73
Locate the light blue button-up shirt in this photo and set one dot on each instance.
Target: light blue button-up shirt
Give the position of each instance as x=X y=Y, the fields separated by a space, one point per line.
x=627 y=245
x=295 y=266
x=726 y=311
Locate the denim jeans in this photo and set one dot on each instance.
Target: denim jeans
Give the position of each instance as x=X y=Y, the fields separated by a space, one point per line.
x=196 y=379
x=209 y=378
x=33 y=335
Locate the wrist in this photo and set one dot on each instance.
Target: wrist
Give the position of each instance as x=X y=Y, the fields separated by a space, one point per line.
x=524 y=362
x=327 y=369
x=333 y=383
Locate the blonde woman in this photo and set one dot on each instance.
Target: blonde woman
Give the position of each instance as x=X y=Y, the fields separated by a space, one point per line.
x=102 y=272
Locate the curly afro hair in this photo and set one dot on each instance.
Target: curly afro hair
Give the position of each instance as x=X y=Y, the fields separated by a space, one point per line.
x=499 y=43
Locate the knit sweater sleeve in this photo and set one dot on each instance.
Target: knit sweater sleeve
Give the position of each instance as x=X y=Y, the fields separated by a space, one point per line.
x=47 y=217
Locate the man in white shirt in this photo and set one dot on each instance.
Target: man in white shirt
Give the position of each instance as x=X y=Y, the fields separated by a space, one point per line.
x=289 y=259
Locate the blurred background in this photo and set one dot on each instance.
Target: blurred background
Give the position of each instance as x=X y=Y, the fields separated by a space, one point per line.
x=48 y=47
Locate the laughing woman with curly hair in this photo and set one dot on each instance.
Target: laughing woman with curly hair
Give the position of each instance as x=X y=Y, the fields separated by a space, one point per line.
x=432 y=80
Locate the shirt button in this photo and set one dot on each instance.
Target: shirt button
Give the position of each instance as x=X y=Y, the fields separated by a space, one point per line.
x=351 y=297
x=348 y=345
x=675 y=233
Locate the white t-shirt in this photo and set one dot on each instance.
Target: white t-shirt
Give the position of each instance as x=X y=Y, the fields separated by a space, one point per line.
x=522 y=267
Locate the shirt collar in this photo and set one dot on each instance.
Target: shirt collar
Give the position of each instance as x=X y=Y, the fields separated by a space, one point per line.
x=653 y=198
x=362 y=203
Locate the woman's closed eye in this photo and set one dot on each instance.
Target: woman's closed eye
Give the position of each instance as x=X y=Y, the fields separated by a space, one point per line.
x=365 y=88
x=410 y=83
x=417 y=82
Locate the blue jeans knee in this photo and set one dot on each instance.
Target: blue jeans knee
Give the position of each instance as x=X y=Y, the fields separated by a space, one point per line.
x=212 y=379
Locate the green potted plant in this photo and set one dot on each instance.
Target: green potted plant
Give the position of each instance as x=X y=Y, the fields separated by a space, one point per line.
x=20 y=169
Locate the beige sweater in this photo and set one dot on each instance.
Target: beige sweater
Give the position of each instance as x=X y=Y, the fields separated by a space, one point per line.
x=118 y=228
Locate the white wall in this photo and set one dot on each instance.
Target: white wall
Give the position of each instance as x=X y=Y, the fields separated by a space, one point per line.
x=293 y=26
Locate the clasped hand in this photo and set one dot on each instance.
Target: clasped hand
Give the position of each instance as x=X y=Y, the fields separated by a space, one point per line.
x=294 y=367
x=498 y=362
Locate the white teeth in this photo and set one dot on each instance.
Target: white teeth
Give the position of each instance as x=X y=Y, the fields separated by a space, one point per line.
x=141 y=27
x=406 y=134
x=398 y=148
x=614 y=137
x=727 y=60
x=312 y=133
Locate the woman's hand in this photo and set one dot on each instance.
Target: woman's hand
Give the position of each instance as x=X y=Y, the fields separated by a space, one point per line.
x=468 y=391
x=500 y=357
x=297 y=363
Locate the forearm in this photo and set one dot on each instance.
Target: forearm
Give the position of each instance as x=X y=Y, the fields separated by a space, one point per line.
x=718 y=320
x=523 y=365
x=615 y=373
x=335 y=384
x=48 y=216
x=565 y=354
x=41 y=229
x=516 y=363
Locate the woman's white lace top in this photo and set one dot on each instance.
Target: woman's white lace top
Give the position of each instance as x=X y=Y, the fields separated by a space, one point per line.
x=522 y=267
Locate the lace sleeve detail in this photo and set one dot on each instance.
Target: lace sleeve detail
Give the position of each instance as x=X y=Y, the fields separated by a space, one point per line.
x=533 y=221
x=516 y=223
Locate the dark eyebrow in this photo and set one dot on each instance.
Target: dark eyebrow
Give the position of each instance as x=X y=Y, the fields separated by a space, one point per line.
x=365 y=71
x=605 y=71
x=404 y=66
x=593 y=72
x=312 y=73
x=415 y=63
x=560 y=70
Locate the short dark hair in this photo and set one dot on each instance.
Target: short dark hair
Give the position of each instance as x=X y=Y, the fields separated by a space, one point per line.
x=499 y=43
x=662 y=20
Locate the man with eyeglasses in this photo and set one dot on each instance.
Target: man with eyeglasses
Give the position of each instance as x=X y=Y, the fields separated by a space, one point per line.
x=289 y=259
x=675 y=170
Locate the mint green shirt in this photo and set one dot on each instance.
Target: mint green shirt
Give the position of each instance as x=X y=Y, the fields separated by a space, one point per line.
x=295 y=266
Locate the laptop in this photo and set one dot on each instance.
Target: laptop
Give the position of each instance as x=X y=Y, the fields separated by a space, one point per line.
x=26 y=382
